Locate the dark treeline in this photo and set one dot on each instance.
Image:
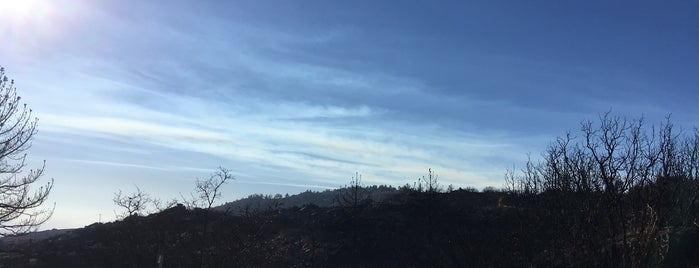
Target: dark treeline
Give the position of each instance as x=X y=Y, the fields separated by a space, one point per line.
x=327 y=198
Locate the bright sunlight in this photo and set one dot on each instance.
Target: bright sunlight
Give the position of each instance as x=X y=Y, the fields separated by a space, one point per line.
x=20 y=11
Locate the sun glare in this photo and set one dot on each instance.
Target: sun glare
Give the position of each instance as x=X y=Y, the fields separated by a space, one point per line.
x=21 y=10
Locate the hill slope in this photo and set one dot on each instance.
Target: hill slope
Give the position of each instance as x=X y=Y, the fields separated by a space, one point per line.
x=406 y=229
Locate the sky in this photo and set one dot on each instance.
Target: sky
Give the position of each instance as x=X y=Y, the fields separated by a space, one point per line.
x=298 y=95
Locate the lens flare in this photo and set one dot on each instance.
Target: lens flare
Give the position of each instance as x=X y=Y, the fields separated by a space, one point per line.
x=20 y=9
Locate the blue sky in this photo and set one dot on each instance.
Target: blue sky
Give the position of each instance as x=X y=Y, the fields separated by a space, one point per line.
x=296 y=95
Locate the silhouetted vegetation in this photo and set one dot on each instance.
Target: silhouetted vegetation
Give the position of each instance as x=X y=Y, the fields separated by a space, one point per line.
x=619 y=195
x=134 y=203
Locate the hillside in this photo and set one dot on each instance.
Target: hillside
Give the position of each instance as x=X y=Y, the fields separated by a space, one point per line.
x=407 y=229
x=402 y=230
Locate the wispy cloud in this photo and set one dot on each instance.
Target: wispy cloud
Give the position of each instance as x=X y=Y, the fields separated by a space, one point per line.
x=320 y=150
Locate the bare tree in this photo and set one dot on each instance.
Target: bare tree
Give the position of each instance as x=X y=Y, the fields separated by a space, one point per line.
x=429 y=184
x=134 y=203
x=19 y=203
x=353 y=194
x=209 y=190
x=633 y=183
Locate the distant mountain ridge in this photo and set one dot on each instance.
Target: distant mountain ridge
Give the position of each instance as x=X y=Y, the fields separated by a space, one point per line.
x=33 y=236
x=327 y=198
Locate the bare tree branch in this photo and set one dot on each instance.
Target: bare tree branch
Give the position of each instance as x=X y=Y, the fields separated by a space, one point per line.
x=209 y=190
x=134 y=203
x=19 y=203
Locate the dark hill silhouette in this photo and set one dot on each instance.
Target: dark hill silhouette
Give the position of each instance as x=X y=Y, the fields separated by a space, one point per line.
x=408 y=228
